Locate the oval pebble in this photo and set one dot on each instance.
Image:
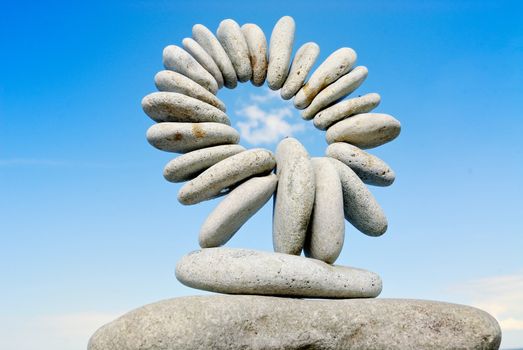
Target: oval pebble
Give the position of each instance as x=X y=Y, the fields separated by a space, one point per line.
x=280 y=51
x=226 y=173
x=301 y=65
x=203 y=58
x=257 y=44
x=233 y=42
x=367 y=130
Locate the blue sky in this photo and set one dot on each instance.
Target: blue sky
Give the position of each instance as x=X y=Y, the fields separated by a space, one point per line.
x=89 y=229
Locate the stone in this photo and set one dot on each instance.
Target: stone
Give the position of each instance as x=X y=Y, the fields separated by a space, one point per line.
x=336 y=91
x=326 y=231
x=186 y=137
x=343 y=109
x=203 y=58
x=188 y=166
x=369 y=168
x=244 y=271
x=257 y=44
x=294 y=197
x=280 y=51
x=226 y=173
x=335 y=66
x=359 y=205
x=233 y=42
x=177 y=59
x=208 y=41
x=235 y=209
x=367 y=130
x=301 y=65
x=239 y=322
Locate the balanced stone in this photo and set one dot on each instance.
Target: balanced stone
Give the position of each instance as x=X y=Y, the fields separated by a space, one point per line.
x=188 y=166
x=226 y=173
x=186 y=137
x=280 y=51
x=367 y=130
x=233 y=42
x=244 y=271
x=234 y=211
x=301 y=65
x=343 y=109
x=369 y=168
x=336 y=65
x=203 y=58
x=257 y=44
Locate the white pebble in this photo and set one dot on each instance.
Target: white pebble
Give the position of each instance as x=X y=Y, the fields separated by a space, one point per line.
x=301 y=65
x=204 y=59
x=280 y=51
x=343 y=109
x=233 y=42
x=257 y=44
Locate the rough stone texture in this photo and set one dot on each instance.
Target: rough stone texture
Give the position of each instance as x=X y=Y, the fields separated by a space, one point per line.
x=301 y=65
x=203 y=58
x=343 y=109
x=233 y=42
x=280 y=51
x=369 y=168
x=367 y=130
x=226 y=173
x=186 y=137
x=243 y=271
x=257 y=44
x=294 y=197
x=336 y=65
x=235 y=209
x=260 y=323
x=327 y=226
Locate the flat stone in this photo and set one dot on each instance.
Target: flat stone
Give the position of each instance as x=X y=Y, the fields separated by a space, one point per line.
x=367 y=130
x=335 y=66
x=186 y=137
x=280 y=51
x=343 y=109
x=244 y=271
x=301 y=65
x=233 y=42
x=257 y=44
x=235 y=209
x=239 y=322
x=369 y=168
x=226 y=173
x=294 y=197
x=203 y=58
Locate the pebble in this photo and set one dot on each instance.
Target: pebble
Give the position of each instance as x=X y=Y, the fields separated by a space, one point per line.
x=234 y=211
x=203 y=58
x=280 y=51
x=233 y=42
x=257 y=44
x=301 y=65
x=367 y=130
x=226 y=173
x=369 y=168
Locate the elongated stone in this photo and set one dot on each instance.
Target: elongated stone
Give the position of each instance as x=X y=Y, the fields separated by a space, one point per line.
x=235 y=209
x=367 y=130
x=335 y=91
x=280 y=51
x=301 y=65
x=226 y=173
x=186 y=137
x=257 y=44
x=294 y=197
x=336 y=65
x=208 y=41
x=188 y=166
x=369 y=168
x=359 y=205
x=203 y=58
x=233 y=42
x=177 y=59
x=326 y=231
x=343 y=109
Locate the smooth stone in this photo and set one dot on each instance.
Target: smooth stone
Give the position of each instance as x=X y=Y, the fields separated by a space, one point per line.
x=280 y=51
x=176 y=107
x=188 y=166
x=240 y=322
x=367 y=130
x=187 y=137
x=326 y=231
x=369 y=168
x=301 y=65
x=294 y=197
x=235 y=209
x=343 y=109
x=226 y=173
x=336 y=65
x=257 y=44
x=177 y=59
x=208 y=41
x=336 y=91
x=244 y=271
x=359 y=205
x=203 y=58
x=233 y=42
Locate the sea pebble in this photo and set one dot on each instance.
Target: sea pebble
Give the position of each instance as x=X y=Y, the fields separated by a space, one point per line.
x=233 y=42
x=301 y=65
x=203 y=58
x=257 y=44
x=280 y=51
